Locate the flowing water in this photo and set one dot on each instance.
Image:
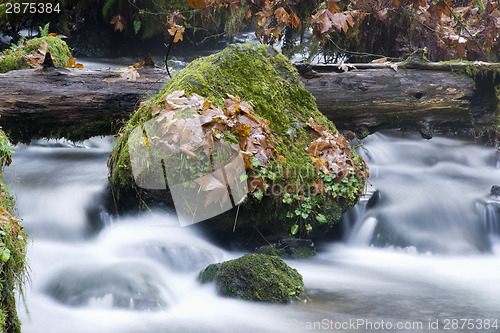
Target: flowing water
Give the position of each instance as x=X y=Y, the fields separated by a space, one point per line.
x=421 y=247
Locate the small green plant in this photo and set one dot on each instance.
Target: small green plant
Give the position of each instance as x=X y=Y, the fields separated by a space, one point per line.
x=44 y=32
x=303 y=208
x=348 y=188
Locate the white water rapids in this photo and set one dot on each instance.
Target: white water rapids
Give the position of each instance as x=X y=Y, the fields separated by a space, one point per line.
x=436 y=255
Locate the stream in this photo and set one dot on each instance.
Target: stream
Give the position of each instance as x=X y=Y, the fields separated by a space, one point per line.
x=421 y=251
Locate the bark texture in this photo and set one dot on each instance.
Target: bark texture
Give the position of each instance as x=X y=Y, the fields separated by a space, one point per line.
x=72 y=103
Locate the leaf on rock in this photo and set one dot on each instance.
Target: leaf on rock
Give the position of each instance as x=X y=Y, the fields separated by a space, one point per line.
x=235 y=124
x=209 y=183
x=319 y=187
x=331 y=154
x=43 y=48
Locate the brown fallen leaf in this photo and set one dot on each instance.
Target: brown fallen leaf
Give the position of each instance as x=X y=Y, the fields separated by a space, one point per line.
x=119 y=22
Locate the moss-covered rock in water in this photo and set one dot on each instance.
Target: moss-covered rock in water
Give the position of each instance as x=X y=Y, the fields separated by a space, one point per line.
x=300 y=190
x=255 y=277
x=12 y=250
x=32 y=51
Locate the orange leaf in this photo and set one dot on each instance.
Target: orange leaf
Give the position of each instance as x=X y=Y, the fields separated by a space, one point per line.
x=282 y=16
x=248 y=16
x=176 y=31
x=71 y=62
x=53 y=34
x=294 y=20
x=197 y=4
x=262 y=21
x=319 y=187
x=282 y=159
x=332 y=6
x=79 y=66
x=276 y=32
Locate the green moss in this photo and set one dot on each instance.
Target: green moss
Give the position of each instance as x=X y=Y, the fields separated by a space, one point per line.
x=269 y=83
x=13 y=241
x=14 y=59
x=255 y=277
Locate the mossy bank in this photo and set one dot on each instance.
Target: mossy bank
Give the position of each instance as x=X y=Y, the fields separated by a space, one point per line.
x=12 y=250
x=291 y=201
x=255 y=277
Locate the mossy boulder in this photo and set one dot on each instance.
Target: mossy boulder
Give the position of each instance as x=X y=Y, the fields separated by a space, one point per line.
x=299 y=194
x=18 y=57
x=255 y=277
x=13 y=241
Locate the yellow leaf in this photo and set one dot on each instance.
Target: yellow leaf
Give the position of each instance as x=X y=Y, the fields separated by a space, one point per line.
x=207 y=105
x=177 y=32
x=71 y=63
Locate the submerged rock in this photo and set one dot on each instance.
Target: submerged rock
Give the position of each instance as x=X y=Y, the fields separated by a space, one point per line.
x=495 y=192
x=124 y=285
x=296 y=172
x=177 y=257
x=255 y=277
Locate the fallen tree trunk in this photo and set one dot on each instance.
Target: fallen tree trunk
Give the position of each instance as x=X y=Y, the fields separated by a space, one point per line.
x=72 y=103
x=77 y=104
x=424 y=95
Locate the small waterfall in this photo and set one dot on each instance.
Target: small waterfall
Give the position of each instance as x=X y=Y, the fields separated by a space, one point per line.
x=425 y=195
x=489 y=212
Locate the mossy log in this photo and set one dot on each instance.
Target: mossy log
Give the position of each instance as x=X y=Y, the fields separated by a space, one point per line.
x=419 y=94
x=72 y=103
x=78 y=104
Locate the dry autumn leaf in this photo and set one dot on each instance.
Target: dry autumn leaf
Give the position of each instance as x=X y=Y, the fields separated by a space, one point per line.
x=294 y=20
x=237 y=125
x=282 y=16
x=197 y=4
x=332 y=7
x=176 y=31
x=119 y=22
